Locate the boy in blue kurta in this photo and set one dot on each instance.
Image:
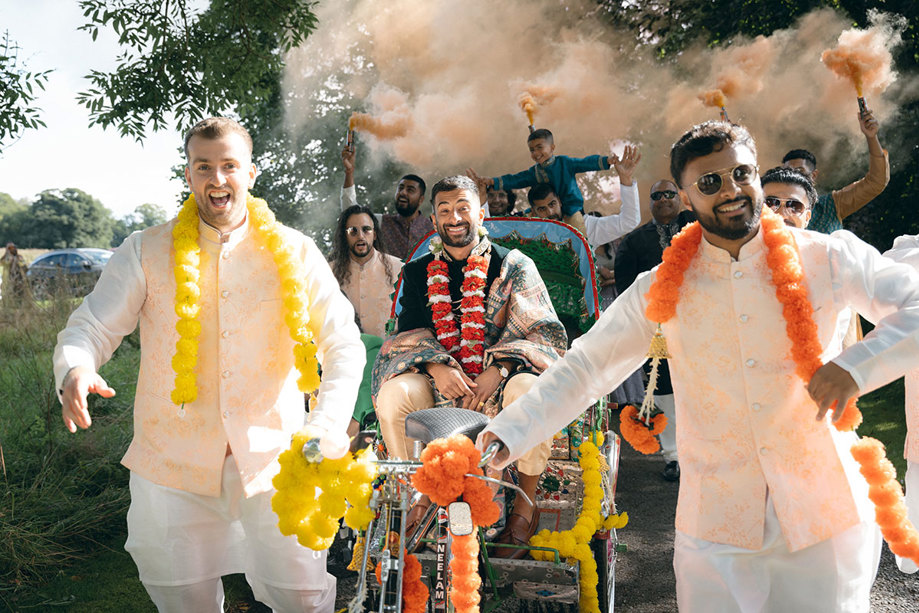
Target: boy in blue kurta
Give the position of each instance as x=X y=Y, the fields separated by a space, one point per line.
x=559 y=171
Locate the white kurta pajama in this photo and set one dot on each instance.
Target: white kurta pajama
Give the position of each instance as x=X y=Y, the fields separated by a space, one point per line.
x=906 y=250
x=190 y=520
x=748 y=442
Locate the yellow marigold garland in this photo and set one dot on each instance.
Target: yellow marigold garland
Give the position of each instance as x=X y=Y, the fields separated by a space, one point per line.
x=188 y=296
x=312 y=496
x=575 y=543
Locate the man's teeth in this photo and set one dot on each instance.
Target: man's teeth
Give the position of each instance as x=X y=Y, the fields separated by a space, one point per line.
x=731 y=207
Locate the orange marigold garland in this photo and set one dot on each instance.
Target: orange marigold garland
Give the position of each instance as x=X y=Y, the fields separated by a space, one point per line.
x=442 y=477
x=885 y=492
x=414 y=591
x=641 y=436
x=466 y=343
x=791 y=290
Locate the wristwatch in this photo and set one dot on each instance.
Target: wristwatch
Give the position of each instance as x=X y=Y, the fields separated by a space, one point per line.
x=505 y=373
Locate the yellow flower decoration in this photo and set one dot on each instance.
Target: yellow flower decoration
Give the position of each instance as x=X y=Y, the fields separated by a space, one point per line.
x=311 y=497
x=575 y=543
x=188 y=296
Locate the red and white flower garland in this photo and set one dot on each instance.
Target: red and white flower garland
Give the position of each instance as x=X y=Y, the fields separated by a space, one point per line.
x=466 y=344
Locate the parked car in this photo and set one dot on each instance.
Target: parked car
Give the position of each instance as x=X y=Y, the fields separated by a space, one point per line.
x=68 y=272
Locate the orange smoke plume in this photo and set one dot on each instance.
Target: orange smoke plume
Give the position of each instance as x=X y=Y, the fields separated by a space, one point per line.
x=533 y=97
x=741 y=73
x=861 y=56
x=379 y=127
x=713 y=97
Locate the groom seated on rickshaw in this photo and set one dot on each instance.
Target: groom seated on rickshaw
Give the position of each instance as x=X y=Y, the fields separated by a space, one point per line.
x=476 y=328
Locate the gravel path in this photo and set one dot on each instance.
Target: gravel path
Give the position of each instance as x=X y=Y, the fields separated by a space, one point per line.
x=644 y=574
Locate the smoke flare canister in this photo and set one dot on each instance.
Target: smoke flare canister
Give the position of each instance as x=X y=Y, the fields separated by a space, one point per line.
x=532 y=129
x=724 y=114
x=862 y=106
x=351 y=140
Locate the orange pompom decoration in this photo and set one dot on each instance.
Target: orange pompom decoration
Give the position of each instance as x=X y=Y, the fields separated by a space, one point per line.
x=640 y=435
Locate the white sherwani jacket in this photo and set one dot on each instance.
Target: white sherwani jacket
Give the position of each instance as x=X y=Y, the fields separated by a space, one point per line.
x=247 y=384
x=745 y=422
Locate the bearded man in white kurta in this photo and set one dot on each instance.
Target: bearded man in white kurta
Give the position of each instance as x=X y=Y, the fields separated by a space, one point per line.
x=772 y=513
x=201 y=469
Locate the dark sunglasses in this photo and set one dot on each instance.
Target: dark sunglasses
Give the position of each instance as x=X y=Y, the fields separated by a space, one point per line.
x=796 y=207
x=354 y=230
x=668 y=194
x=710 y=183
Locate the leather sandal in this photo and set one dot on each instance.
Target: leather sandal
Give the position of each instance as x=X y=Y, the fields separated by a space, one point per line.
x=518 y=531
x=415 y=516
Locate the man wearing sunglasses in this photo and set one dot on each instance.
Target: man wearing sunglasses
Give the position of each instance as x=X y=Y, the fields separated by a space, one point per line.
x=639 y=251
x=790 y=194
x=830 y=209
x=772 y=514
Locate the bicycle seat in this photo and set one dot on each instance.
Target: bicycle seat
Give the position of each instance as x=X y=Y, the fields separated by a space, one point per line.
x=429 y=424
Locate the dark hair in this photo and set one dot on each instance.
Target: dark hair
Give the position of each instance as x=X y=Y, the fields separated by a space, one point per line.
x=540 y=133
x=511 y=196
x=703 y=139
x=449 y=184
x=213 y=128
x=780 y=174
x=801 y=154
x=540 y=191
x=11 y=247
x=341 y=258
x=417 y=180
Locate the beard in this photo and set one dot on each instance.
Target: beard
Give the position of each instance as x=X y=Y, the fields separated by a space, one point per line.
x=360 y=251
x=405 y=208
x=458 y=241
x=735 y=229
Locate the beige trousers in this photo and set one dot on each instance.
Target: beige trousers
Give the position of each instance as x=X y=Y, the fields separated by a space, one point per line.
x=412 y=392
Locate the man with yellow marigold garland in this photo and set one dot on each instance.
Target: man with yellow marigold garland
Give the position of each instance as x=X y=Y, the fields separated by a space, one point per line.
x=254 y=299
x=476 y=327
x=772 y=513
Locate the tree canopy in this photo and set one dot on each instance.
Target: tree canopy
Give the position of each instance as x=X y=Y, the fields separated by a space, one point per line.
x=17 y=93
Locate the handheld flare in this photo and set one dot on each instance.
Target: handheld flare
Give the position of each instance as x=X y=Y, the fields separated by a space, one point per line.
x=532 y=129
x=724 y=114
x=862 y=106
x=351 y=140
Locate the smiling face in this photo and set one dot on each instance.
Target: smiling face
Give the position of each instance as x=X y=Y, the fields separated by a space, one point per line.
x=796 y=213
x=220 y=173
x=498 y=204
x=541 y=149
x=408 y=197
x=667 y=204
x=730 y=216
x=457 y=217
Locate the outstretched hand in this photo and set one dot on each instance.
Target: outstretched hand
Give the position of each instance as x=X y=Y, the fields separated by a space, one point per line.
x=481 y=183
x=78 y=384
x=626 y=164
x=831 y=387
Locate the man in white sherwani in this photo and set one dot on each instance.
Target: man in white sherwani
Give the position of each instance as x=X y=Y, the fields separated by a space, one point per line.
x=772 y=513
x=201 y=471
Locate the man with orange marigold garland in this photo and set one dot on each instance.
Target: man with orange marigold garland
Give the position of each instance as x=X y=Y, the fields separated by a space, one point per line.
x=476 y=327
x=772 y=512
x=202 y=462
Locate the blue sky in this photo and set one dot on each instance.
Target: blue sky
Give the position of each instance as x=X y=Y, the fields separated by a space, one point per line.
x=67 y=153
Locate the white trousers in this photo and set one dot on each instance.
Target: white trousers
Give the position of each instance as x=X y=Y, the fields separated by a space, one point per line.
x=912 y=504
x=833 y=576
x=668 y=437
x=182 y=543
